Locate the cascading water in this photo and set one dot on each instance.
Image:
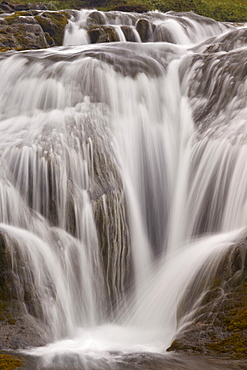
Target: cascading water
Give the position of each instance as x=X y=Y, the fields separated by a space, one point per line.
x=116 y=162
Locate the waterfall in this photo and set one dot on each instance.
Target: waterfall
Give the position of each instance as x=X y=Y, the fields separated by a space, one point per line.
x=123 y=176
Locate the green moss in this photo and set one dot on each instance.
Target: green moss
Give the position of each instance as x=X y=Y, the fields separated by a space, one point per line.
x=9 y=362
x=223 y=10
x=240 y=321
x=235 y=344
x=54 y=24
x=11 y=321
x=235 y=318
x=10 y=19
x=3 y=49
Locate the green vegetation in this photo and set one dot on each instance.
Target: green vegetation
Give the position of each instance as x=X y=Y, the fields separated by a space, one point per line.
x=9 y=362
x=222 y=10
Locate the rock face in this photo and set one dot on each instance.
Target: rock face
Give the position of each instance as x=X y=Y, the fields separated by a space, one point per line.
x=219 y=324
x=17 y=327
x=32 y=29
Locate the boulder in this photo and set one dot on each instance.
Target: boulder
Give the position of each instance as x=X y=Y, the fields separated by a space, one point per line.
x=144 y=28
x=53 y=23
x=94 y=34
x=128 y=33
x=102 y=34
x=21 y=36
x=95 y=19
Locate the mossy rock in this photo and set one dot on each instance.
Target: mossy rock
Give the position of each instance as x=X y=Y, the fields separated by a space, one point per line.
x=13 y=18
x=7 y=284
x=94 y=34
x=219 y=324
x=21 y=31
x=10 y=362
x=235 y=322
x=3 y=49
x=102 y=34
x=54 y=24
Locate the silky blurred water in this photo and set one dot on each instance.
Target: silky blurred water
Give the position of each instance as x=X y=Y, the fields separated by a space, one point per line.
x=128 y=128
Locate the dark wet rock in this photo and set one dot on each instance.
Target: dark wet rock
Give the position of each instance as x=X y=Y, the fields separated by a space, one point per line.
x=108 y=202
x=144 y=28
x=7 y=278
x=94 y=34
x=102 y=34
x=128 y=33
x=219 y=323
x=6 y=7
x=113 y=235
x=109 y=35
x=17 y=328
x=95 y=18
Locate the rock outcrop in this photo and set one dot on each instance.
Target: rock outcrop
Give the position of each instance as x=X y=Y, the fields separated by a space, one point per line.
x=18 y=329
x=31 y=29
x=219 y=322
x=102 y=34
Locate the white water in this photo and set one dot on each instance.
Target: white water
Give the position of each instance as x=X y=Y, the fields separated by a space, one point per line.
x=109 y=129
x=168 y=27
